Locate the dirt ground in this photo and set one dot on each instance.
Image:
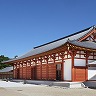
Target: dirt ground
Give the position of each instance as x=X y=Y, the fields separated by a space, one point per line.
x=39 y=90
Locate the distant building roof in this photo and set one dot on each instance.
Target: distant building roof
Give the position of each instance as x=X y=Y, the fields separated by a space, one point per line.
x=56 y=43
x=7 y=69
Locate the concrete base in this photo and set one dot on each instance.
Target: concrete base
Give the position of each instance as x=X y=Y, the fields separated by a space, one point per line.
x=68 y=84
x=53 y=83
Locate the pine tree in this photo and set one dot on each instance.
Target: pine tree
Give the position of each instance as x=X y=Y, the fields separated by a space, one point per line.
x=3 y=58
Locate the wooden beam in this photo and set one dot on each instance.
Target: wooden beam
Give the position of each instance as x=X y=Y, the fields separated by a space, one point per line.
x=13 y=70
x=73 y=74
x=62 y=69
x=16 y=71
x=22 y=70
x=41 y=68
x=47 y=71
x=87 y=55
x=53 y=56
x=19 y=70
x=62 y=55
x=35 y=68
x=30 y=69
x=56 y=50
x=26 y=70
x=93 y=31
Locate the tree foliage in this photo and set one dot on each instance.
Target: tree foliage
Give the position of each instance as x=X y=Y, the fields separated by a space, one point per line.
x=3 y=58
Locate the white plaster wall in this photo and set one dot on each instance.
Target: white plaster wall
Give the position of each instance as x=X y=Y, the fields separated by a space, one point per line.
x=90 y=57
x=94 y=57
x=65 y=56
x=82 y=56
x=65 y=52
x=77 y=56
x=82 y=52
x=79 y=62
x=69 y=56
x=92 y=73
x=67 y=69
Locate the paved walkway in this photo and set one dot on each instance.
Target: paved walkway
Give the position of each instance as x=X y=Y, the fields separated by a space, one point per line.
x=19 y=89
x=14 y=84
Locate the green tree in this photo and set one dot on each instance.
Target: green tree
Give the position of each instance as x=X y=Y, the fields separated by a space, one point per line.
x=3 y=58
x=16 y=56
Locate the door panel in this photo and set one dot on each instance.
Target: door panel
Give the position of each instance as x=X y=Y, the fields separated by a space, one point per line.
x=44 y=66
x=80 y=74
x=38 y=75
x=52 y=71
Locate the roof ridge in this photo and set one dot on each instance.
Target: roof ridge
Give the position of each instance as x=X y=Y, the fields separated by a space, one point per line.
x=65 y=37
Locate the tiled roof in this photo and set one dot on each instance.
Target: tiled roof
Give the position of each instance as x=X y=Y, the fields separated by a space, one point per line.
x=7 y=69
x=54 y=44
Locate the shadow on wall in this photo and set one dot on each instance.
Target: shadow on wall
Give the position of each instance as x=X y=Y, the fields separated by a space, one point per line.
x=92 y=73
x=93 y=77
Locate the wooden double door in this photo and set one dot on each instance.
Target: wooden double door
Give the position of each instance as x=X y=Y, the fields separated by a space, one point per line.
x=48 y=72
x=80 y=74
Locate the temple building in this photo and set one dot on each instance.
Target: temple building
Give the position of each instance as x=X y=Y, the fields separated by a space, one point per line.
x=6 y=73
x=71 y=58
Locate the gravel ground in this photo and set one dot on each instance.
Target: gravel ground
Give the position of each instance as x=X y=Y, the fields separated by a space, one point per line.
x=41 y=90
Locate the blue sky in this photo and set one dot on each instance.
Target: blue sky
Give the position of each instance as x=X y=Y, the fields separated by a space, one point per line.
x=25 y=24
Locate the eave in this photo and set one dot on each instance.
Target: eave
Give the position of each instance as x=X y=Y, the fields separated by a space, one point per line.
x=55 y=50
x=76 y=47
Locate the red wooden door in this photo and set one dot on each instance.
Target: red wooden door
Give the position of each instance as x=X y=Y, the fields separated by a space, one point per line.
x=33 y=71
x=80 y=74
x=18 y=73
x=28 y=72
x=52 y=71
x=44 y=72
x=38 y=72
x=24 y=73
